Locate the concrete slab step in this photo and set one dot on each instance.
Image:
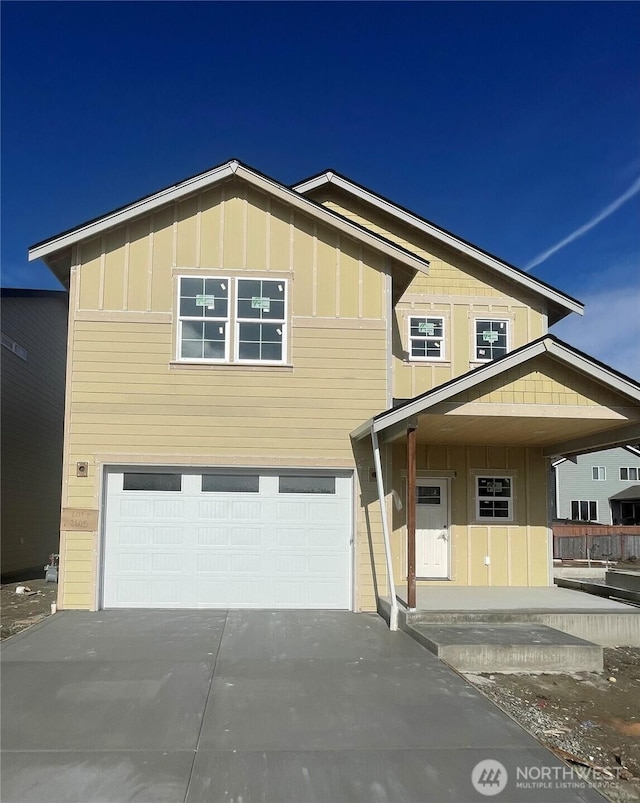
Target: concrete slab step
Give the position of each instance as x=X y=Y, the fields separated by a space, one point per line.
x=507 y=647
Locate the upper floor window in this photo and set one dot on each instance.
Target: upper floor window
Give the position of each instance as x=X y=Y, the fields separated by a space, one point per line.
x=599 y=473
x=426 y=338
x=492 y=339
x=630 y=473
x=232 y=319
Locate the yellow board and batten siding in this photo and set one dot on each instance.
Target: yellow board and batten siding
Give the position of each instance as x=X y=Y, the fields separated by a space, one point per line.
x=456 y=288
x=517 y=550
x=130 y=401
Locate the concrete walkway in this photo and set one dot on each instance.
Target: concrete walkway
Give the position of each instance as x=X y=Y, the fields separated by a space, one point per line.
x=248 y=706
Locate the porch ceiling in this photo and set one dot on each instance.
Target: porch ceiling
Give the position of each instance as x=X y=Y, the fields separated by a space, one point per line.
x=507 y=428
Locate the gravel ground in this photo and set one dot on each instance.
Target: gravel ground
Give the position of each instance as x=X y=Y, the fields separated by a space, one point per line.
x=594 y=718
x=20 y=611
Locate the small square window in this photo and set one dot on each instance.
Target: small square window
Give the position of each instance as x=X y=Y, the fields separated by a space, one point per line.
x=494 y=498
x=599 y=473
x=426 y=338
x=491 y=339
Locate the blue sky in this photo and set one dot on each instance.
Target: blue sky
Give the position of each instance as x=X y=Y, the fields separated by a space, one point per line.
x=511 y=124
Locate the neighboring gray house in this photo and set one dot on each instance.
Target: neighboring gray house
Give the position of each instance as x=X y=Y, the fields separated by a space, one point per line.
x=33 y=364
x=602 y=487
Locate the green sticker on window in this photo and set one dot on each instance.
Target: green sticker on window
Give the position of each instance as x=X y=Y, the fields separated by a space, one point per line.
x=426 y=327
x=206 y=301
x=489 y=337
x=258 y=302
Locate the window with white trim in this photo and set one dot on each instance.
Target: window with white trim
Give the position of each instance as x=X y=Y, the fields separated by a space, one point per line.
x=492 y=339
x=630 y=473
x=426 y=337
x=224 y=319
x=599 y=473
x=584 y=510
x=494 y=498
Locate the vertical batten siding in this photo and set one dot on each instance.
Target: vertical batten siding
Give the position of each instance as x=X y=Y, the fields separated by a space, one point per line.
x=517 y=550
x=128 y=399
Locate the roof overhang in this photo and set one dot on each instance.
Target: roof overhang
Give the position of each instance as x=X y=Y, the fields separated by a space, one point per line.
x=560 y=304
x=58 y=248
x=441 y=418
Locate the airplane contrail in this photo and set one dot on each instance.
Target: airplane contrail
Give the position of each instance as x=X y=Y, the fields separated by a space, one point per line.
x=634 y=189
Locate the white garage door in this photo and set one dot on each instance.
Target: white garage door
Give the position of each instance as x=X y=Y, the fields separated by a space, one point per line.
x=227 y=539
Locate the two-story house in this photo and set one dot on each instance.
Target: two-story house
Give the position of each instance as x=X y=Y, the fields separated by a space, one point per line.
x=599 y=487
x=302 y=396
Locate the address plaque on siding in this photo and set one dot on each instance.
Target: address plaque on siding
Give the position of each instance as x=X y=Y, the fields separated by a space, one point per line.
x=76 y=519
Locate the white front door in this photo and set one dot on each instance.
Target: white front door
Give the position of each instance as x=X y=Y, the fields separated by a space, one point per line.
x=432 y=528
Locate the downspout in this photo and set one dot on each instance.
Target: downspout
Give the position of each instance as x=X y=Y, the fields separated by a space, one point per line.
x=393 y=616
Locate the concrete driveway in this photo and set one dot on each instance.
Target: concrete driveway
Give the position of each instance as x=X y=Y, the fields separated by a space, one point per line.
x=248 y=706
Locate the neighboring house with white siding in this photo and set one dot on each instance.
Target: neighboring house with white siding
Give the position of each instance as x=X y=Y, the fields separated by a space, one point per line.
x=33 y=359
x=234 y=435
x=601 y=487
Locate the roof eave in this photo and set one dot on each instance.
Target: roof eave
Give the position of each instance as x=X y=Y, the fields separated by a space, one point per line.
x=560 y=304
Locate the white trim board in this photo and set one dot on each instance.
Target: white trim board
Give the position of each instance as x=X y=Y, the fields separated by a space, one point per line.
x=547 y=344
x=233 y=168
x=566 y=303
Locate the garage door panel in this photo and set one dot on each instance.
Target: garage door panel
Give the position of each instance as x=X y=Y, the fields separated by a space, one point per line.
x=190 y=548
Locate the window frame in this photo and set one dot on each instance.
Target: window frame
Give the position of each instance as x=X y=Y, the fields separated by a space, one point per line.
x=490 y=320
x=442 y=339
x=232 y=321
x=478 y=498
x=237 y=321
x=628 y=470
x=599 y=473
x=589 y=503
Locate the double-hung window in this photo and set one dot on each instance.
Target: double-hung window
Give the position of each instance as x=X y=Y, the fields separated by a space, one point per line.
x=426 y=337
x=491 y=339
x=630 y=473
x=260 y=320
x=226 y=320
x=204 y=319
x=494 y=498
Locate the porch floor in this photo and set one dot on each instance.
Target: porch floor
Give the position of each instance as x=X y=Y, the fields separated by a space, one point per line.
x=512 y=598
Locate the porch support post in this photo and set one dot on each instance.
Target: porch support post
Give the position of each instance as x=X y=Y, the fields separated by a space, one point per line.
x=411 y=517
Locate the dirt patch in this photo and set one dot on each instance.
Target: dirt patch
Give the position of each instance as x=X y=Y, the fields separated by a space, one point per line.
x=20 y=611
x=594 y=718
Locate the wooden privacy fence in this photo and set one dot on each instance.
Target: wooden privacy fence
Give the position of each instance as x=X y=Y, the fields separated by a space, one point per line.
x=573 y=542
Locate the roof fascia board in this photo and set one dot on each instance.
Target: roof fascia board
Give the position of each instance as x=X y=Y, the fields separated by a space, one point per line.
x=121 y=216
x=465 y=382
x=335 y=221
x=585 y=365
x=444 y=237
x=173 y=193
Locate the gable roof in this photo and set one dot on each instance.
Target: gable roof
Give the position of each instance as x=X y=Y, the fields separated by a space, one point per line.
x=550 y=344
x=46 y=249
x=560 y=304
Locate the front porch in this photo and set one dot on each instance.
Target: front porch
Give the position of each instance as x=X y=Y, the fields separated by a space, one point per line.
x=516 y=629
